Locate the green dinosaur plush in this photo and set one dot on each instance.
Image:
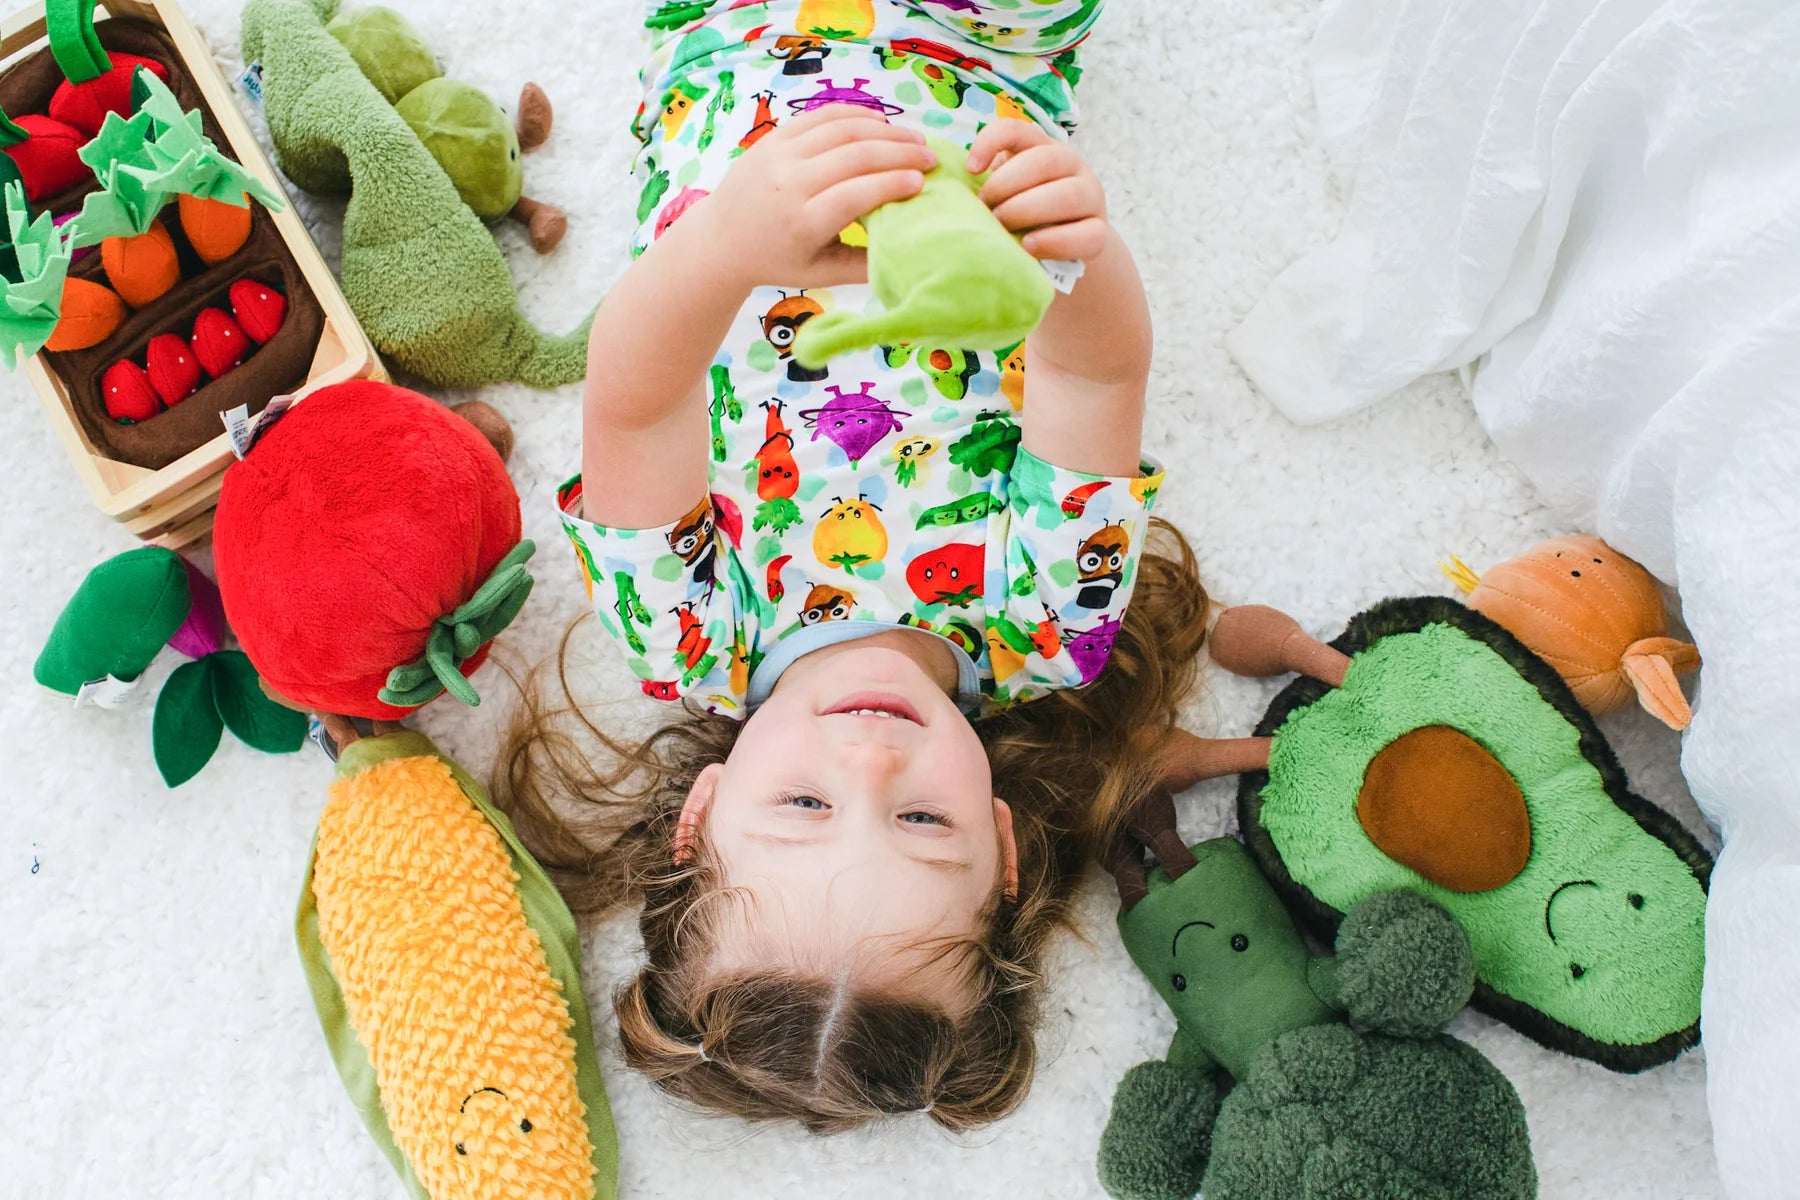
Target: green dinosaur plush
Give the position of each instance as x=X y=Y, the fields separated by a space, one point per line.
x=420 y=268
x=944 y=271
x=1267 y=1091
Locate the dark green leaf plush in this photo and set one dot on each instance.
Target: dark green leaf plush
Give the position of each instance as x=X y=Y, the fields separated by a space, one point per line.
x=248 y=712
x=187 y=726
x=119 y=619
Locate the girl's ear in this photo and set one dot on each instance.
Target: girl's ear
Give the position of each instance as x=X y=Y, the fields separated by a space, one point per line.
x=1009 y=848
x=693 y=812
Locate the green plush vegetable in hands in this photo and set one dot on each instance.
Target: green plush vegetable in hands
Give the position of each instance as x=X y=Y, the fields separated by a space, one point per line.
x=33 y=268
x=944 y=270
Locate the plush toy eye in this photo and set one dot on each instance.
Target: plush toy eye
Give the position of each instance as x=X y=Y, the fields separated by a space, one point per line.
x=525 y=1125
x=1178 y=982
x=1635 y=900
x=1576 y=970
x=459 y=1148
x=1239 y=942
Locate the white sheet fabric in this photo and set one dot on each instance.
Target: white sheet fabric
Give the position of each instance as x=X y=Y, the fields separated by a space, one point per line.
x=1595 y=206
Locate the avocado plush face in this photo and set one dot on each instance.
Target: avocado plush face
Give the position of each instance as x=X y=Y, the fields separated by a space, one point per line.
x=471 y=139
x=1223 y=954
x=1597 y=945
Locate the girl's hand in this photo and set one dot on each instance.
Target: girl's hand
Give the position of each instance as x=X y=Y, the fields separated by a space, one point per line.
x=1041 y=188
x=777 y=214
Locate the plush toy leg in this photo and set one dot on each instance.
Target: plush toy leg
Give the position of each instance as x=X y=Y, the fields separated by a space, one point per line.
x=492 y=426
x=1259 y=641
x=1186 y=759
x=1159 y=1135
x=535 y=117
x=1403 y=965
x=545 y=223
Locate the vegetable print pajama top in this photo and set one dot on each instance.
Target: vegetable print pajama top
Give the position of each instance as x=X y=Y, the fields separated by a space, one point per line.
x=887 y=489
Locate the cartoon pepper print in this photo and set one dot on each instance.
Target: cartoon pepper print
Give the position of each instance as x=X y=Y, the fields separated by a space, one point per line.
x=630 y=610
x=777 y=475
x=850 y=535
x=724 y=100
x=694 y=643
x=761 y=125
x=854 y=421
x=948 y=575
x=725 y=405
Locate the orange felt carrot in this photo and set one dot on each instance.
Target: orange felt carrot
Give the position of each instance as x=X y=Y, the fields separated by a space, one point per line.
x=141 y=268
x=217 y=229
x=90 y=314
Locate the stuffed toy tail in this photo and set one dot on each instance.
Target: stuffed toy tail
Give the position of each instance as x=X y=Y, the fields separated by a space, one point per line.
x=1651 y=666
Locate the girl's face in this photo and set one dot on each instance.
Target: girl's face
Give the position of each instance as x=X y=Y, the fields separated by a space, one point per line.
x=855 y=820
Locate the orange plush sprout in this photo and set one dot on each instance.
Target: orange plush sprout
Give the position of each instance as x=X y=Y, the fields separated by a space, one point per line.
x=1594 y=615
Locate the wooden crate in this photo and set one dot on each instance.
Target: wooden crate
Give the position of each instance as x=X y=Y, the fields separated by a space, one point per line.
x=173 y=505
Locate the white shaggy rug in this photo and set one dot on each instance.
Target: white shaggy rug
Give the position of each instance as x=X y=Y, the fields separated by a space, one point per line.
x=157 y=1037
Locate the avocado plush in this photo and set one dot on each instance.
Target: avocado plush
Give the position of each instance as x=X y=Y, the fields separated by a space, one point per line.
x=1431 y=750
x=1266 y=1091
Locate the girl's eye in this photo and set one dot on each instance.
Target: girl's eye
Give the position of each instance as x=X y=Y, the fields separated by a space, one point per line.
x=809 y=803
x=921 y=817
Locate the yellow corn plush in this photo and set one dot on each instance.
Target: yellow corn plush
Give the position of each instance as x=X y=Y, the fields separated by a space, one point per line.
x=444 y=967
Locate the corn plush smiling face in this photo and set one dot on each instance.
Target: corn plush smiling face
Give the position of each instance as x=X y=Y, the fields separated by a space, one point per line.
x=448 y=988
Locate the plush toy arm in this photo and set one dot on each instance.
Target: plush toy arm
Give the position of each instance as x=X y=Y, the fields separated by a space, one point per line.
x=1159 y=1136
x=1403 y=965
x=1346 y=1169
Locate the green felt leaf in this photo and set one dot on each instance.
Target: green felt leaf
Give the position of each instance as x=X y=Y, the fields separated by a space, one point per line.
x=32 y=285
x=120 y=156
x=183 y=159
x=187 y=727
x=246 y=709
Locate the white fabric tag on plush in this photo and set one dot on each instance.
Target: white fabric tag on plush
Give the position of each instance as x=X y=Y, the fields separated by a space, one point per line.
x=1063 y=272
x=251 y=83
x=244 y=429
x=107 y=692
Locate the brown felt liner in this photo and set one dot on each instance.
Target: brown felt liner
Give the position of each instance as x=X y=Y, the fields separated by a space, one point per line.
x=281 y=365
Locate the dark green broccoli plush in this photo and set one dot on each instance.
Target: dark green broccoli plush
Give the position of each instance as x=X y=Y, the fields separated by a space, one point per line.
x=1267 y=1093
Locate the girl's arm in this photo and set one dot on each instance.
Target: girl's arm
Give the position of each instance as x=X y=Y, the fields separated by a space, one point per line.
x=776 y=216
x=1088 y=364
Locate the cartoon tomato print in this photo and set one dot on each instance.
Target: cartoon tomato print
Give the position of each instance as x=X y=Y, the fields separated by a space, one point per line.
x=948 y=575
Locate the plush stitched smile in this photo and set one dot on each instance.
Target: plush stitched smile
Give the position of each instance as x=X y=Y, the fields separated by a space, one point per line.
x=1559 y=891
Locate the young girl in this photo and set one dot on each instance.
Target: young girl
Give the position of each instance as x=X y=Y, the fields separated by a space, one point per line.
x=905 y=601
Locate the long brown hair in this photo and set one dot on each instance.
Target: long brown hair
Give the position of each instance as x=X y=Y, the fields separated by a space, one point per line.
x=600 y=815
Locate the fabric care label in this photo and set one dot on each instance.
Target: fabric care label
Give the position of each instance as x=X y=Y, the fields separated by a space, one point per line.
x=1063 y=272
x=107 y=692
x=244 y=429
x=251 y=83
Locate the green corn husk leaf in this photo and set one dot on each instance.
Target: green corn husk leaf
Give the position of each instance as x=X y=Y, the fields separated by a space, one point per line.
x=184 y=160
x=120 y=155
x=31 y=286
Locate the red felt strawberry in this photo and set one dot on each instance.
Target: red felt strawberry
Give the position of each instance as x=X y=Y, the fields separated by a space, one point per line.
x=260 y=308
x=85 y=105
x=49 y=159
x=126 y=391
x=174 y=368
x=219 y=342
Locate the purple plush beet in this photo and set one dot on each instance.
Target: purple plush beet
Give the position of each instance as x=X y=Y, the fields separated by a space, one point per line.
x=854 y=422
x=1090 y=648
x=203 y=632
x=83 y=251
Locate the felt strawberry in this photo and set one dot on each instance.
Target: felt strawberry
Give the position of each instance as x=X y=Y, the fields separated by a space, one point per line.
x=174 y=368
x=85 y=105
x=219 y=342
x=260 y=308
x=125 y=389
x=49 y=159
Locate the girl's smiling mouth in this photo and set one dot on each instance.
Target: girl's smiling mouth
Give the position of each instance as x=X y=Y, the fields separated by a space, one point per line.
x=877 y=705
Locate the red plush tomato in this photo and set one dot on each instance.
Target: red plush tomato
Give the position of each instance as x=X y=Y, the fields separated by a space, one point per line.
x=174 y=370
x=219 y=342
x=260 y=309
x=125 y=390
x=948 y=575
x=85 y=105
x=49 y=159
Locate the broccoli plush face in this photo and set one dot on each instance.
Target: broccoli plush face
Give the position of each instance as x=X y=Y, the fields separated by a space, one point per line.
x=1221 y=952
